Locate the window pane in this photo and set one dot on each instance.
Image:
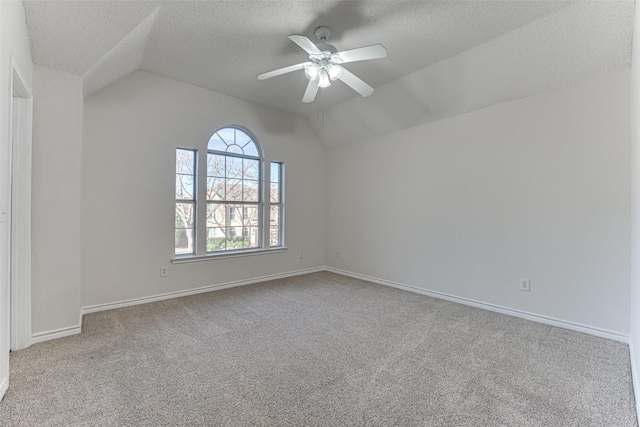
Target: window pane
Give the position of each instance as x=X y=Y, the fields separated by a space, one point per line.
x=234 y=167
x=251 y=169
x=185 y=161
x=234 y=238
x=236 y=215
x=185 y=187
x=275 y=193
x=274 y=236
x=251 y=150
x=236 y=149
x=215 y=232
x=251 y=238
x=250 y=191
x=215 y=165
x=185 y=215
x=216 y=143
x=274 y=215
x=184 y=241
x=228 y=135
x=216 y=239
x=234 y=190
x=215 y=188
x=242 y=139
x=275 y=172
x=250 y=216
x=216 y=215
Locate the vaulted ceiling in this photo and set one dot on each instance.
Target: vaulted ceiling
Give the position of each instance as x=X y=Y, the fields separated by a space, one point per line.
x=444 y=57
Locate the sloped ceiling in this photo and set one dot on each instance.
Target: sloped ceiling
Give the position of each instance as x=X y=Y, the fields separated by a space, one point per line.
x=530 y=46
x=584 y=41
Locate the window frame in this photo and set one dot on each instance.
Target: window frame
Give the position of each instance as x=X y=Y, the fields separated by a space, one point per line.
x=233 y=206
x=279 y=203
x=193 y=201
x=263 y=227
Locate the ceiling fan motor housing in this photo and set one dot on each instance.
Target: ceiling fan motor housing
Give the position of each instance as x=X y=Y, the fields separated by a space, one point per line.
x=323 y=33
x=327 y=48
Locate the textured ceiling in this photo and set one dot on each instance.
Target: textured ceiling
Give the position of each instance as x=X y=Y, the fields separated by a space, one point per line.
x=578 y=43
x=224 y=45
x=444 y=57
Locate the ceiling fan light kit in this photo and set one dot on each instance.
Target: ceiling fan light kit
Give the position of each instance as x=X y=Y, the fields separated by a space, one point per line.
x=323 y=70
x=324 y=65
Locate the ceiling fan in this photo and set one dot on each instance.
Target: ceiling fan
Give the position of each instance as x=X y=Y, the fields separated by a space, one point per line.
x=324 y=64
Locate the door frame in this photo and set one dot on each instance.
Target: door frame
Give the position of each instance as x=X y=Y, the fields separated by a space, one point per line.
x=20 y=144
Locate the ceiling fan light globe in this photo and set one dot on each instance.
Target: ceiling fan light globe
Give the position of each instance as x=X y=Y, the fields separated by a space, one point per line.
x=311 y=72
x=334 y=71
x=324 y=79
x=335 y=58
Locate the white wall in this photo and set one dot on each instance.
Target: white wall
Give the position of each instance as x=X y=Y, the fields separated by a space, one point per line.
x=535 y=188
x=635 y=211
x=14 y=43
x=132 y=129
x=55 y=225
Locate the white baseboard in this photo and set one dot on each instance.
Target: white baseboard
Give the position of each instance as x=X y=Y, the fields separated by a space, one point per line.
x=3 y=388
x=72 y=330
x=602 y=333
x=57 y=333
x=178 y=294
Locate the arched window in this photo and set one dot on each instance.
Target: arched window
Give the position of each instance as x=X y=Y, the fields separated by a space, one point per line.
x=223 y=202
x=234 y=196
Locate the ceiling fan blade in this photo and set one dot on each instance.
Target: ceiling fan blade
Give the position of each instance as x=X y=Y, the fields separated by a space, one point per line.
x=306 y=44
x=284 y=70
x=355 y=83
x=311 y=92
x=363 y=53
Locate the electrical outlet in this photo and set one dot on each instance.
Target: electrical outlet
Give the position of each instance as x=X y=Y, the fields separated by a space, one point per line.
x=164 y=271
x=525 y=284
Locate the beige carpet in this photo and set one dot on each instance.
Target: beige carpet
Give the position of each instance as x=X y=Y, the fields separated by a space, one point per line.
x=318 y=350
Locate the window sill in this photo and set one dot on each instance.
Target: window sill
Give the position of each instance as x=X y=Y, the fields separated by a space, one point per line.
x=209 y=257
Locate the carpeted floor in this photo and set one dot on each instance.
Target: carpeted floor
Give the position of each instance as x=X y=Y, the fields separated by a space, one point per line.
x=318 y=350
